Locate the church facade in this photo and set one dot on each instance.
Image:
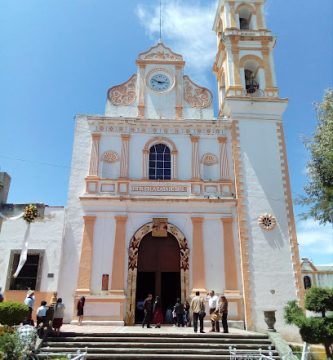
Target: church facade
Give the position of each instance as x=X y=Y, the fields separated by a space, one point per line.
x=165 y=198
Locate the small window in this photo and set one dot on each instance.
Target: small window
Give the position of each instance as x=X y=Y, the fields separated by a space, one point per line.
x=307 y=282
x=28 y=276
x=244 y=24
x=159 y=162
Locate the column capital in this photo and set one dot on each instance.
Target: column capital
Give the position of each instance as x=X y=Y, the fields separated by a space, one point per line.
x=227 y=220
x=197 y=219
x=89 y=218
x=194 y=138
x=222 y=139
x=125 y=137
x=121 y=218
x=96 y=136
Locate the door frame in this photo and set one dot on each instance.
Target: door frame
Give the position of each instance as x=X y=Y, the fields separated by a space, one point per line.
x=133 y=253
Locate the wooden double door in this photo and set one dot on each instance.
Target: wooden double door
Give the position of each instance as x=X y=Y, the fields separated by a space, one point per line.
x=158 y=272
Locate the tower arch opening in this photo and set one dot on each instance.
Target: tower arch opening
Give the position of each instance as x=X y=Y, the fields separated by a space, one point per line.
x=245 y=14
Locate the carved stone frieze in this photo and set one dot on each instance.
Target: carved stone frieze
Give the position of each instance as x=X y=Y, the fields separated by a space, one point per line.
x=123 y=94
x=195 y=95
x=160 y=52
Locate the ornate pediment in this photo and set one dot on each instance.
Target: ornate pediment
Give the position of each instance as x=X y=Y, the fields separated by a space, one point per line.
x=123 y=94
x=195 y=95
x=160 y=52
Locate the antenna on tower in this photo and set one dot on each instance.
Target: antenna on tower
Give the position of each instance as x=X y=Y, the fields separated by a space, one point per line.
x=160 y=40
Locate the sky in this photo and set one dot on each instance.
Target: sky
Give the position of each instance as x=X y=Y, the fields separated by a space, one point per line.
x=59 y=57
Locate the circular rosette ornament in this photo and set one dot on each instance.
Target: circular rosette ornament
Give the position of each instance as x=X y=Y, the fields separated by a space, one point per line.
x=30 y=213
x=267 y=222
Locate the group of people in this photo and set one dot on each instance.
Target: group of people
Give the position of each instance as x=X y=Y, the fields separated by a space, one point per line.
x=51 y=315
x=218 y=309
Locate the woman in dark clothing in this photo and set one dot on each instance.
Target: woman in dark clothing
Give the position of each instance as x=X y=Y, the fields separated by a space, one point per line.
x=157 y=311
x=80 y=308
x=179 y=309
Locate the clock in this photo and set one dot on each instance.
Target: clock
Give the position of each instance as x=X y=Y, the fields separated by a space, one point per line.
x=160 y=82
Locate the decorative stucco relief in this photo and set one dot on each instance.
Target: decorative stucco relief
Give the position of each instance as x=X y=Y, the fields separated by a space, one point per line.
x=209 y=159
x=195 y=95
x=267 y=222
x=160 y=52
x=123 y=94
x=110 y=156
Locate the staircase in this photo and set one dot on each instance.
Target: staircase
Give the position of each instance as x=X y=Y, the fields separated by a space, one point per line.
x=155 y=346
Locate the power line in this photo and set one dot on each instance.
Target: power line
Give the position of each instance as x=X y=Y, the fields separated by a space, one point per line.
x=40 y=162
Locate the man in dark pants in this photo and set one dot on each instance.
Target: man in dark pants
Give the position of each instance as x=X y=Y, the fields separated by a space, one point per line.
x=148 y=310
x=179 y=309
x=197 y=305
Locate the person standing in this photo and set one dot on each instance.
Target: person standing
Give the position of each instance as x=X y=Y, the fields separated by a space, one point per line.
x=80 y=309
x=187 y=318
x=213 y=302
x=179 y=309
x=30 y=302
x=157 y=311
x=59 y=311
x=41 y=313
x=223 y=309
x=148 y=310
x=197 y=307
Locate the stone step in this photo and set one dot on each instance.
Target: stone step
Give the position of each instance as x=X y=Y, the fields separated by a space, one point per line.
x=144 y=356
x=164 y=335
x=225 y=345
x=140 y=350
x=166 y=339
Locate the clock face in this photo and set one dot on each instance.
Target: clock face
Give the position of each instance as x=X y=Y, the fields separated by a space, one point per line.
x=160 y=82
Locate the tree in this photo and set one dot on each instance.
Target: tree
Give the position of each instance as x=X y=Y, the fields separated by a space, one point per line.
x=319 y=189
x=314 y=330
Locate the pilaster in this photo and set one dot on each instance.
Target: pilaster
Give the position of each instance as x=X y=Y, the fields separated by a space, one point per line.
x=84 y=281
x=94 y=156
x=124 y=161
x=224 y=164
x=198 y=263
x=118 y=262
x=195 y=158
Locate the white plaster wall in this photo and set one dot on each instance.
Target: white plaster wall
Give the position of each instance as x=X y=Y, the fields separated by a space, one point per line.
x=109 y=143
x=272 y=278
x=70 y=257
x=325 y=280
x=46 y=234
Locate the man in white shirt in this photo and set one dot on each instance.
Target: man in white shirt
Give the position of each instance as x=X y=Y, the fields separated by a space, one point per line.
x=30 y=302
x=213 y=303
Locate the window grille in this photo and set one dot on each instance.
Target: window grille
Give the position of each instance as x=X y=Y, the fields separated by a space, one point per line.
x=159 y=162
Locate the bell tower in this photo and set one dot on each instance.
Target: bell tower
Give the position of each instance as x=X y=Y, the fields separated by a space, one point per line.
x=244 y=64
x=248 y=96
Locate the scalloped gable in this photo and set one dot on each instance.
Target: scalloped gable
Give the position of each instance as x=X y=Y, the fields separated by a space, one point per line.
x=196 y=96
x=161 y=53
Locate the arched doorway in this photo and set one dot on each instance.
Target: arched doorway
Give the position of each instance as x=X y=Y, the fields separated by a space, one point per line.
x=153 y=267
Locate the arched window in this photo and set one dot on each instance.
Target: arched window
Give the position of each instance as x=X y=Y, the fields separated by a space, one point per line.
x=307 y=282
x=159 y=162
x=251 y=83
x=245 y=15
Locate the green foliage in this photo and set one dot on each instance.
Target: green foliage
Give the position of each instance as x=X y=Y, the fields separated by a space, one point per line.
x=314 y=330
x=319 y=189
x=293 y=314
x=11 y=346
x=319 y=300
x=13 y=313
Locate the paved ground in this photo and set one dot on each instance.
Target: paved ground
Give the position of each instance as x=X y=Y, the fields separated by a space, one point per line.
x=165 y=329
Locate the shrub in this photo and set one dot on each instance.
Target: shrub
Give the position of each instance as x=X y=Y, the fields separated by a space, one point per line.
x=13 y=313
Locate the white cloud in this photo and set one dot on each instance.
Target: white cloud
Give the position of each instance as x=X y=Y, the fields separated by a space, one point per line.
x=187 y=29
x=315 y=241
